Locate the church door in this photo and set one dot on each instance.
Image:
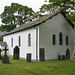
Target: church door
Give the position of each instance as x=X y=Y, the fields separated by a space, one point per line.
x=42 y=54
x=67 y=54
x=16 y=52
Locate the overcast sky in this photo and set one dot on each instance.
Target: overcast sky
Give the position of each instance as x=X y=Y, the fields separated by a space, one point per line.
x=34 y=4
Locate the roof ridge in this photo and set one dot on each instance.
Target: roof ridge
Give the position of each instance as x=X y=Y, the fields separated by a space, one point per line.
x=34 y=23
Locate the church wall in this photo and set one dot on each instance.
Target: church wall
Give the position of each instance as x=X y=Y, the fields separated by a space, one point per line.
x=55 y=25
x=24 y=48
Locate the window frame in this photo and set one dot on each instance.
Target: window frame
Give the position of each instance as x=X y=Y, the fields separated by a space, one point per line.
x=67 y=40
x=11 y=42
x=54 y=39
x=29 y=40
x=19 y=39
x=60 y=38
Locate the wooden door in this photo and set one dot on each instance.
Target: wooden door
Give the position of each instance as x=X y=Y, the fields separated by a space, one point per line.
x=16 y=52
x=67 y=54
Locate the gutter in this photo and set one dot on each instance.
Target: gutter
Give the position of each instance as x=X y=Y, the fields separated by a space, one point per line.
x=21 y=29
x=36 y=43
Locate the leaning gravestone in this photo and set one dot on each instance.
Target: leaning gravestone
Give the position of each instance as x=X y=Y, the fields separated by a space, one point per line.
x=28 y=57
x=0 y=54
x=16 y=53
x=5 y=59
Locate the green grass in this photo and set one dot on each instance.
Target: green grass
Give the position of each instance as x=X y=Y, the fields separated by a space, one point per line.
x=21 y=67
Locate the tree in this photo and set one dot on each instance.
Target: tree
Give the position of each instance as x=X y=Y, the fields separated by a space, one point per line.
x=1 y=38
x=38 y=15
x=16 y=12
x=67 y=6
x=45 y=8
x=26 y=14
x=7 y=28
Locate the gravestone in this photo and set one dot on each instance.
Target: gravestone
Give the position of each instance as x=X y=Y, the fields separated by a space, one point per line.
x=5 y=58
x=0 y=54
x=16 y=53
x=42 y=54
x=28 y=57
x=63 y=57
x=59 y=57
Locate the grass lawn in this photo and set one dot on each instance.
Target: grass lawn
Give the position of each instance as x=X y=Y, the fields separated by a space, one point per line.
x=21 y=67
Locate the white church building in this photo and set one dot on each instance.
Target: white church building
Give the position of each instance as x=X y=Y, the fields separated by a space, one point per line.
x=45 y=38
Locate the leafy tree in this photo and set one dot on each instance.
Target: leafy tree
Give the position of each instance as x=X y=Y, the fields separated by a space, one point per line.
x=16 y=12
x=67 y=6
x=45 y=8
x=38 y=15
x=7 y=28
x=1 y=38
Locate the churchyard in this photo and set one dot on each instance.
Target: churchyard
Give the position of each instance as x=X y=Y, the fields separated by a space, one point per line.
x=15 y=66
x=21 y=67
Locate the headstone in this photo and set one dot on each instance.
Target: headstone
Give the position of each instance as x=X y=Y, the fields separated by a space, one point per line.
x=63 y=57
x=59 y=57
x=42 y=54
x=28 y=57
x=16 y=53
x=0 y=54
x=5 y=58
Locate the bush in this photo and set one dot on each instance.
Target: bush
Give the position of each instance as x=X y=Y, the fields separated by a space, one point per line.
x=1 y=38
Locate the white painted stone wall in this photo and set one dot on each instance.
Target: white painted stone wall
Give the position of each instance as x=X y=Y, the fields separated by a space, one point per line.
x=24 y=49
x=54 y=26
x=45 y=31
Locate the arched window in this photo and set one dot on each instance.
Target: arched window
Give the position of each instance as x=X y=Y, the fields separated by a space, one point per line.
x=60 y=38
x=29 y=39
x=66 y=40
x=11 y=42
x=54 y=39
x=19 y=41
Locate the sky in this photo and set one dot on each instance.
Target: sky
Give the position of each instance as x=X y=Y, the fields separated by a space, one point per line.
x=34 y=4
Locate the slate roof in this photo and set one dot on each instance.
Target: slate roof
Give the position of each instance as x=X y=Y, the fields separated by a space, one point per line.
x=35 y=23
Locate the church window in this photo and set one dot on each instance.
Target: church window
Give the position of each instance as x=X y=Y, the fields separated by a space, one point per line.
x=60 y=38
x=19 y=41
x=66 y=40
x=29 y=39
x=54 y=39
x=11 y=42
